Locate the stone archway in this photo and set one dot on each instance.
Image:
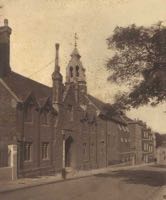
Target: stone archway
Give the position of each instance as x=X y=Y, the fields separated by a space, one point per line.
x=68 y=152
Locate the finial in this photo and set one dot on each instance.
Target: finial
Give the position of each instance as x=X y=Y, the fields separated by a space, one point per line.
x=75 y=39
x=5 y=22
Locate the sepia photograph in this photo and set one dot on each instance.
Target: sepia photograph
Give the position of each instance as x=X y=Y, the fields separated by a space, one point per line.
x=82 y=100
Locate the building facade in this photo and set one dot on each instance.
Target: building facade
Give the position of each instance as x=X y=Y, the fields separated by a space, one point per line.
x=142 y=141
x=57 y=127
x=161 y=155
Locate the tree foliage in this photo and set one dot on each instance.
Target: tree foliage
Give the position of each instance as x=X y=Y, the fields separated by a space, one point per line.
x=139 y=61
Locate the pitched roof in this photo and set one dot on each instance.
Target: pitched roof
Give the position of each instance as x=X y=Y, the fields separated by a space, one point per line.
x=106 y=110
x=98 y=103
x=127 y=119
x=22 y=86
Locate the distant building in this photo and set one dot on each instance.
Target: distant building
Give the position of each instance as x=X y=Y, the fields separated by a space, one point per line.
x=142 y=141
x=161 y=149
x=161 y=154
x=148 y=145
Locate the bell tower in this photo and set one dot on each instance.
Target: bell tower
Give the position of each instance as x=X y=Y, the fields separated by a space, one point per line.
x=75 y=72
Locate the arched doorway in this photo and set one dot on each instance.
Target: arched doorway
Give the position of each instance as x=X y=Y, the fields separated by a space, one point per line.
x=68 y=151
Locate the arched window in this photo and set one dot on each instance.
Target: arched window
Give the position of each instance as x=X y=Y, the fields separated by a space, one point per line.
x=28 y=114
x=44 y=118
x=71 y=71
x=71 y=112
x=77 y=71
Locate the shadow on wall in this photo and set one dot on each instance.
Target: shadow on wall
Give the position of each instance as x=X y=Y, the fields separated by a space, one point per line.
x=151 y=178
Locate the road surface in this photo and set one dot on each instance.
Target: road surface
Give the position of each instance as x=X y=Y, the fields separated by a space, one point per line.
x=134 y=184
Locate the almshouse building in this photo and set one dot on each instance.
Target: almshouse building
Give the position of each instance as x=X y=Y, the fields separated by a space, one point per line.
x=57 y=127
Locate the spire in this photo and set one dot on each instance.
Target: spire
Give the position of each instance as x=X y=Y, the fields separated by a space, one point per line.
x=75 y=72
x=75 y=51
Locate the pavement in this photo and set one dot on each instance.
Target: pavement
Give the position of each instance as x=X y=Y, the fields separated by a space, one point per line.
x=23 y=183
x=138 y=183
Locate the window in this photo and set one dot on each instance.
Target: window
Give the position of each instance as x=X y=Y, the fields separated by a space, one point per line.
x=127 y=129
x=164 y=155
x=144 y=147
x=102 y=147
x=92 y=149
x=123 y=128
x=150 y=137
x=28 y=114
x=71 y=112
x=84 y=148
x=151 y=148
x=44 y=118
x=145 y=134
x=71 y=71
x=27 y=151
x=77 y=71
x=45 y=150
x=85 y=152
x=119 y=126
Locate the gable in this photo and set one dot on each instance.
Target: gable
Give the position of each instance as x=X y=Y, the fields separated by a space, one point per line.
x=70 y=96
x=31 y=100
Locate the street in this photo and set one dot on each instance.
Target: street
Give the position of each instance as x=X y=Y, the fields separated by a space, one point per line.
x=135 y=184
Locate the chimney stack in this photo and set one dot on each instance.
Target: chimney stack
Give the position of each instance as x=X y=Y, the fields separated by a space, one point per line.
x=5 y=32
x=57 y=78
x=57 y=57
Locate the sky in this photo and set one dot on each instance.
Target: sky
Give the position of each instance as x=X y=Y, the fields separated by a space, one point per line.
x=38 y=24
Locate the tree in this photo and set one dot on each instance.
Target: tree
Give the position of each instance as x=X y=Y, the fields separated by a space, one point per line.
x=139 y=61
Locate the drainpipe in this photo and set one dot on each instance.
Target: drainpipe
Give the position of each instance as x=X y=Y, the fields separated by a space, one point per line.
x=63 y=155
x=106 y=142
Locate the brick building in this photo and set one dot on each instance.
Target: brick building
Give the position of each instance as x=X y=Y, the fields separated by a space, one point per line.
x=142 y=141
x=60 y=126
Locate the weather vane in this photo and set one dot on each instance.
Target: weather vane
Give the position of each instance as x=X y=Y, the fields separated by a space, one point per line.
x=75 y=39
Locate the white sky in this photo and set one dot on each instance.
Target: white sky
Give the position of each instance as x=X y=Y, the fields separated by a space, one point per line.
x=38 y=24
